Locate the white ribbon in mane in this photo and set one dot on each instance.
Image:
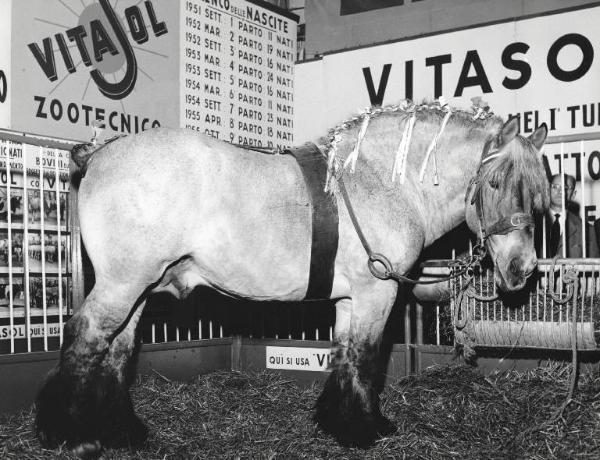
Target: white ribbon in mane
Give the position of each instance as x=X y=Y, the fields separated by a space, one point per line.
x=331 y=161
x=402 y=152
x=432 y=148
x=490 y=157
x=361 y=134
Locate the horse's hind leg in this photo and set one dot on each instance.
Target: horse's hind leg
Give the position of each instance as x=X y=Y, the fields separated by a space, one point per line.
x=120 y=362
x=348 y=407
x=85 y=400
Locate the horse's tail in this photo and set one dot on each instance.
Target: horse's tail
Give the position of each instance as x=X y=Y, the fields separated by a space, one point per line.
x=81 y=153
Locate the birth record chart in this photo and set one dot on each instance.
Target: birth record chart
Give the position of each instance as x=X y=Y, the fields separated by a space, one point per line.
x=238 y=72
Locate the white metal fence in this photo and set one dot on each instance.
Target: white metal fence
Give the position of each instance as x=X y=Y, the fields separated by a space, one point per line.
x=35 y=243
x=537 y=319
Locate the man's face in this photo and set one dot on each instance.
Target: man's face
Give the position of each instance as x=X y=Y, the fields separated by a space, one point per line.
x=556 y=192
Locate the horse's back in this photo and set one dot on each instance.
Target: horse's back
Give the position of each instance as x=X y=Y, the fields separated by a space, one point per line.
x=168 y=194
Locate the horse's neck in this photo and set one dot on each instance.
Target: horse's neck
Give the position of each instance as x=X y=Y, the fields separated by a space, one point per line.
x=443 y=206
x=458 y=154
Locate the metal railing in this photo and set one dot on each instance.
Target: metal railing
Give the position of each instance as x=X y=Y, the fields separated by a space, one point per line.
x=35 y=242
x=42 y=285
x=535 y=319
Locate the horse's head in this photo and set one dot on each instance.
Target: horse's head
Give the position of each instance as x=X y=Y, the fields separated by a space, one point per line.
x=510 y=186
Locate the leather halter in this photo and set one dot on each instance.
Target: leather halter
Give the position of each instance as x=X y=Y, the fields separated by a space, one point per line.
x=505 y=225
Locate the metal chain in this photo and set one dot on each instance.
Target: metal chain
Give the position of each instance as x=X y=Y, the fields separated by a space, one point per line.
x=570 y=278
x=388 y=271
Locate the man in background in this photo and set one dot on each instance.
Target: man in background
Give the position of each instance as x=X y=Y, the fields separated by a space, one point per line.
x=597 y=229
x=556 y=223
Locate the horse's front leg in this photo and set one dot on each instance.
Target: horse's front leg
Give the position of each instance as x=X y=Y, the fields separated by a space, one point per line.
x=348 y=407
x=85 y=400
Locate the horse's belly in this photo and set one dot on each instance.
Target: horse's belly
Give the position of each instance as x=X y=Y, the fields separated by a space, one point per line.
x=243 y=218
x=256 y=233
x=260 y=250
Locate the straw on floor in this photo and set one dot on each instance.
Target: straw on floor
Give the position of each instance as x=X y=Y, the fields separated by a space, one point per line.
x=445 y=412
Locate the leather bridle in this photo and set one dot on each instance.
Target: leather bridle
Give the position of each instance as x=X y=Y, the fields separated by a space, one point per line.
x=504 y=225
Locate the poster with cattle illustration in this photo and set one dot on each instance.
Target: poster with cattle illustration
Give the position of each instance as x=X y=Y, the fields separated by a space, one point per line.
x=36 y=290
x=16 y=248
x=34 y=227
x=47 y=252
x=58 y=304
x=36 y=293
x=16 y=289
x=33 y=199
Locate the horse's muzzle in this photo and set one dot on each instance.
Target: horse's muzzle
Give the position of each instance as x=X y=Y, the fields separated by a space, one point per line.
x=516 y=274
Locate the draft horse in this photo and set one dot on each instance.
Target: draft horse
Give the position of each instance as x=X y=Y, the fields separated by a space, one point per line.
x=170 y=210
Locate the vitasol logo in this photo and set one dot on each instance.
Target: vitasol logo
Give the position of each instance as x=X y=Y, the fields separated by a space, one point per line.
x=102 y=42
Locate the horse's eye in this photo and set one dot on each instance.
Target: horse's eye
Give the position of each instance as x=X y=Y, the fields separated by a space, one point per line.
x=494 y=184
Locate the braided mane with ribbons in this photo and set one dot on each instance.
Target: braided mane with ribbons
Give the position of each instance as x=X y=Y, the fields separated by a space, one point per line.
x=513 y=177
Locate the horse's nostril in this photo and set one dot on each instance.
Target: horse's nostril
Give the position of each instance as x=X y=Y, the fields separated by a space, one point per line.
x=515 y=267
x=518 y=268
x=531 y=267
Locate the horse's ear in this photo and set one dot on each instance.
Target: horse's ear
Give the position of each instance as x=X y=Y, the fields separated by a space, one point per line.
x=539 y=136
x=509 y=130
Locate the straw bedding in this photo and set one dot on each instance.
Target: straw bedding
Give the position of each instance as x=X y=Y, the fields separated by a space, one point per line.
x=445 y=412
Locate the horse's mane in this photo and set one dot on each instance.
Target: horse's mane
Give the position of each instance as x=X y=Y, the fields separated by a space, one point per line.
x=519 y=170
x=424 y=112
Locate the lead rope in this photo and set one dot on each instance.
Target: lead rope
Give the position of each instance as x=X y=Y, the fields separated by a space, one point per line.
x=374 y=257
x=462 y=312
x=571 y=278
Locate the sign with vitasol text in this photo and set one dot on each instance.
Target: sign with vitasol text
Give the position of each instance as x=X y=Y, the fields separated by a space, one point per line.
x=297 y=358
x=35 y=331
x=544 y=69
x=76 y=62
x=238 y=72
x=222 y=67
x=5 y=65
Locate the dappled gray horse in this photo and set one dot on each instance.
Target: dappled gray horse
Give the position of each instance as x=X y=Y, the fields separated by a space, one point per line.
x=170 y=210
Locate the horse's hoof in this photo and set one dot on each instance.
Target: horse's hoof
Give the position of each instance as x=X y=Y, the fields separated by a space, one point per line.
x=135 y=433
x=385 y=426
x=63 y=417
x=53 y=425
x=359 y=432
x=88 y=450
x=140 y=434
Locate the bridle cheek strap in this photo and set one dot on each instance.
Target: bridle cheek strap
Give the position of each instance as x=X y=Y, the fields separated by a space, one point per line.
x=503 y=226
x=517 y=221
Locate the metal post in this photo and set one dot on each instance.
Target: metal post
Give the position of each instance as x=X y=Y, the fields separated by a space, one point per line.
x=419 y=336
x=236 y=353
x=407 y=340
